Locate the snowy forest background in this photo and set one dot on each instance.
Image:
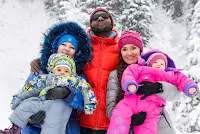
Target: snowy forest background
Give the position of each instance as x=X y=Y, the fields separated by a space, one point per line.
x=170 y=25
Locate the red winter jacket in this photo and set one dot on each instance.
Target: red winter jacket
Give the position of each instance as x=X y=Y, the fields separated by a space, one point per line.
x=105 y=59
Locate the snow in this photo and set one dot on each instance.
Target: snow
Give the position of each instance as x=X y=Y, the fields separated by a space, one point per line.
x=21 y=31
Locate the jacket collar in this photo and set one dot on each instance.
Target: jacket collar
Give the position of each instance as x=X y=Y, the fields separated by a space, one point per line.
x=111 y=40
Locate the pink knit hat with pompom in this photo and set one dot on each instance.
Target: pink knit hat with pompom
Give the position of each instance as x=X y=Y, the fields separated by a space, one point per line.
x=128 y=37
x=155 y=56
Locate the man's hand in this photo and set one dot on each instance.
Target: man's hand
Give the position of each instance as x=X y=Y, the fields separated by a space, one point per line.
x=149 y=88
x=57 y=93
x=35 y=66
x=138 y=119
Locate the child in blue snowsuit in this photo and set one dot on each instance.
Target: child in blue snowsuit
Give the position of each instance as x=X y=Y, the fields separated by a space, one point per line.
x=62 y=73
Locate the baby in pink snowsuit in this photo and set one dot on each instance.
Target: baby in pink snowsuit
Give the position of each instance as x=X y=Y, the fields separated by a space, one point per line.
x=157 y=69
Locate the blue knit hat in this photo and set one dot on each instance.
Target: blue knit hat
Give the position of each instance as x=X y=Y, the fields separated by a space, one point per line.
x=68 y=38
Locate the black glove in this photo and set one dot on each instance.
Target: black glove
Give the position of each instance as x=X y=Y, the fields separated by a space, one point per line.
x=37 y=118
x=149 y=88
x=138 y=119
x=57 y=93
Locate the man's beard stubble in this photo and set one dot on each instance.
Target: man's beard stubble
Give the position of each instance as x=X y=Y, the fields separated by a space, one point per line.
x=97 y=30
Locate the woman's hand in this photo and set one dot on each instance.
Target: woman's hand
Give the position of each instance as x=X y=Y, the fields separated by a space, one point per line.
x=35 y=66
x=149 y=88
x=138 y=119
x=57 y=93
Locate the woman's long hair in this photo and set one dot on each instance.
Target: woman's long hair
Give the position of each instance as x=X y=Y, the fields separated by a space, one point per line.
x=120 y=69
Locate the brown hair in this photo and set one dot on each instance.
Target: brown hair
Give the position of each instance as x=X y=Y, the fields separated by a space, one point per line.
x=120 y=69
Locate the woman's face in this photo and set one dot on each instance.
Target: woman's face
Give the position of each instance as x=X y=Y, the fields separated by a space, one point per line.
x=130 y=53
x=67 y=48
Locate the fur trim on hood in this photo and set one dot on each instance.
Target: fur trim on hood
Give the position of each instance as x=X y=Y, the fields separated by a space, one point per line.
x=55 y=33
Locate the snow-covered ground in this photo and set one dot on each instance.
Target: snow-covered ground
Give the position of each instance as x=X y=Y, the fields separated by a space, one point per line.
x=21 y=30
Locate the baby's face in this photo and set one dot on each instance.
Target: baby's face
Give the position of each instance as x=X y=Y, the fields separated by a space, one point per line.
x=62 y=70
x=159 y=63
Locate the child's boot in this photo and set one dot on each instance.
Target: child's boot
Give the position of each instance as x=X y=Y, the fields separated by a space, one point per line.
x=13 y=130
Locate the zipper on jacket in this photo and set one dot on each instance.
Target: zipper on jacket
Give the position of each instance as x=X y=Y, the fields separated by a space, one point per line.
x=99 y=73
x=166 y=119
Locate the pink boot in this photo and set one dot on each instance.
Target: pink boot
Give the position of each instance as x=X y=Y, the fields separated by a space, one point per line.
x=13 y=130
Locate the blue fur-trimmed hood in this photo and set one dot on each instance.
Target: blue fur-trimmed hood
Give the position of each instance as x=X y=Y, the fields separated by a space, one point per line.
x=53 y=35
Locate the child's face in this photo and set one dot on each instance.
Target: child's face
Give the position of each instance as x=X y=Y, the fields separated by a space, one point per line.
x=62 y=70
x=159 y=63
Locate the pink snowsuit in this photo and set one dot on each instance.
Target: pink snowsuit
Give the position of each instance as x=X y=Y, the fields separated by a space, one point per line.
x=152 y=105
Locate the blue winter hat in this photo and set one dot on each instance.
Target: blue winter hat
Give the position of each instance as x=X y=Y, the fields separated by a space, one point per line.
x=68 y=38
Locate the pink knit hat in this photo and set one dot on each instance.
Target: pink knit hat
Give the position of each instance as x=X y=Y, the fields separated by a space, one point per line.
x=155 y=56
x=130 y=38
x=104 y=10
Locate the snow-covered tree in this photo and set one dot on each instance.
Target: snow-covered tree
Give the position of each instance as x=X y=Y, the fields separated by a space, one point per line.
x=67 y=10
x=189 y=117
x=53 y=8
x=72 y=11
x=173 y=7
x=137 y=15
x=189 y=11
x=167 y=37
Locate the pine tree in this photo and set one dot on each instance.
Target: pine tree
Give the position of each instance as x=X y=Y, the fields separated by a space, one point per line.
x=134 y=15
x=52 y=7
x=189 y=9
x=174 y=7
x=67 y=10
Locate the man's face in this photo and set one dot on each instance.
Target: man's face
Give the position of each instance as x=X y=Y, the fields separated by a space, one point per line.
x=101 y=22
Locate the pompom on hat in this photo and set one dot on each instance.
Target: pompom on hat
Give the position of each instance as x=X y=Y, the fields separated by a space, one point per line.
x=128 y=37
x=155 y=56
x=59 y=59
x=104 y=10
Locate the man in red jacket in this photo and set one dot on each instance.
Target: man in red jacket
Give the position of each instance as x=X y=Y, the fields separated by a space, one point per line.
x=105 y=59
